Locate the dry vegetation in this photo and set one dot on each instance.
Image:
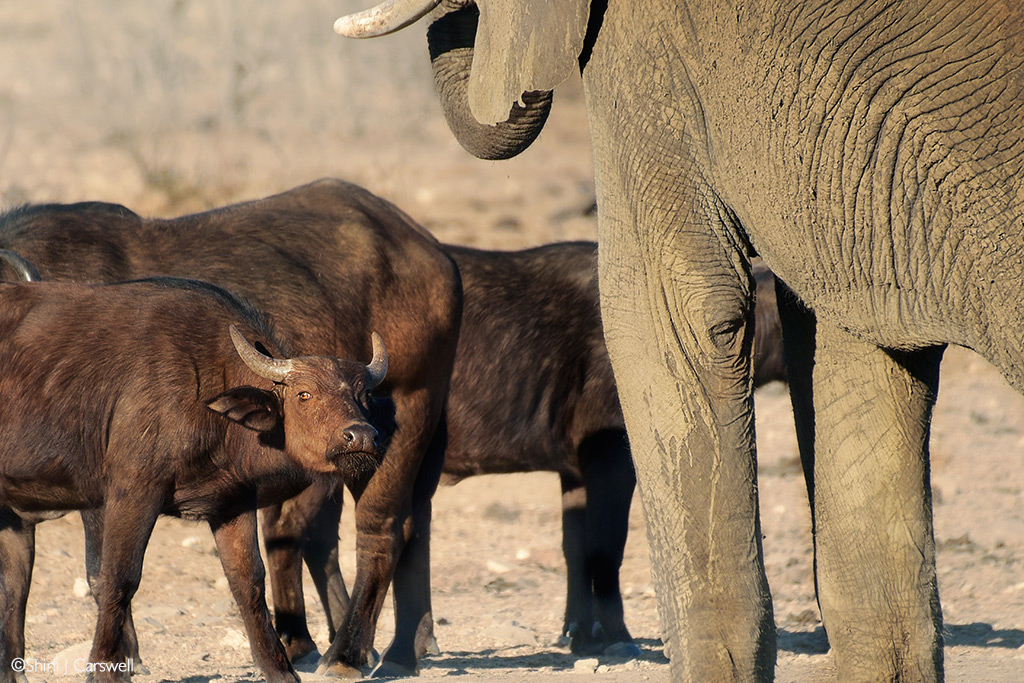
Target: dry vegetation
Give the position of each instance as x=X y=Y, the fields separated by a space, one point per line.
x=172 y=106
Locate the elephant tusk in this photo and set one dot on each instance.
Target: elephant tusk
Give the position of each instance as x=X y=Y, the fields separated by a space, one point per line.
x=387 y=17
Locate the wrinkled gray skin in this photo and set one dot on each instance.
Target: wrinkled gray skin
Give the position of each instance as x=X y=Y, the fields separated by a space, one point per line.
x=871 y=153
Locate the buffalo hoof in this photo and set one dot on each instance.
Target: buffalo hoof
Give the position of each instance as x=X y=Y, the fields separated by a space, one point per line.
x=624 y=650
x=297 y=648
x=431 y=647
x=388 y=669
x=339 y=670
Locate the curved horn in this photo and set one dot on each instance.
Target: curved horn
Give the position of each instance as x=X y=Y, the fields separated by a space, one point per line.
x=21 y=266
x=266 y=367
x=378 y=367
x=387 y=17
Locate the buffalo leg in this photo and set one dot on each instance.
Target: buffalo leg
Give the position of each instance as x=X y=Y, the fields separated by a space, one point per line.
x=610 y=480
x=388 y=516
x=579 y=600
x=320 y=553
x=127 y=527
x=414 y=620
x=239 y=552
x=17 y=554
x=92 y=520
x=305 y=526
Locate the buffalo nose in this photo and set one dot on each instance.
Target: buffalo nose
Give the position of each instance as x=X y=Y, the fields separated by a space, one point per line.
x=360 y=437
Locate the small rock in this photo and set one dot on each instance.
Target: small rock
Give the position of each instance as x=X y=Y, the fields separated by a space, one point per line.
x=585 y=666
x=64 y=661
x=603 y=669
x=235 y=639
x=193 y=542
x=81 y=588
x=221 y=584
x=497 y=567
x=523 y=554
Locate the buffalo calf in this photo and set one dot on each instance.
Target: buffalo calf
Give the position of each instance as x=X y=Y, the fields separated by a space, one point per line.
x=115 y=398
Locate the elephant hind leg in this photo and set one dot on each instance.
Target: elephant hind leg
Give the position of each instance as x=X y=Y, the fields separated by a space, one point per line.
x=872 y=500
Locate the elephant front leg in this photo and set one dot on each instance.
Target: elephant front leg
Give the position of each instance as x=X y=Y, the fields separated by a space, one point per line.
x=872 y=499
x=676 y=299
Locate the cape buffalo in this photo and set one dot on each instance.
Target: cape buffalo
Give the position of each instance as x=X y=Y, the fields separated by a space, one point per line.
x=329 y=262
x=111 y=396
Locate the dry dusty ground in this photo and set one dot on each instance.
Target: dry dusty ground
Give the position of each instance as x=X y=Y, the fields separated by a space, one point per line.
x=178 y=105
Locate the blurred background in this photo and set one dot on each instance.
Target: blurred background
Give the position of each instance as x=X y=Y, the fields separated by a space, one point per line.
x=174 y=106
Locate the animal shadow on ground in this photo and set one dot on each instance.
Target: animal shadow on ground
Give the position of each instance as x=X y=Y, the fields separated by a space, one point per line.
x=456 y=662
x=979 y=634
x=803 y=642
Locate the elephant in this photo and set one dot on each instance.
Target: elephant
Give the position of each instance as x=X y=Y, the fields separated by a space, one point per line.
x=872 y=153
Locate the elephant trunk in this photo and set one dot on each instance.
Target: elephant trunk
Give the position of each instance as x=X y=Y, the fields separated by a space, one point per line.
x=450 y=39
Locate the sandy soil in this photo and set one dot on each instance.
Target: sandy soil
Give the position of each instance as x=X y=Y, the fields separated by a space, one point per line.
x=178 y=105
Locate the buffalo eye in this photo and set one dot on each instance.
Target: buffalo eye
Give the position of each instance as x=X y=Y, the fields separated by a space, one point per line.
x=305 y=395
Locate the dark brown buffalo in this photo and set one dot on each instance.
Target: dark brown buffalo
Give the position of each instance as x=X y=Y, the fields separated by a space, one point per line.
x=532 y=389
x=329 y=262
x=111 y=396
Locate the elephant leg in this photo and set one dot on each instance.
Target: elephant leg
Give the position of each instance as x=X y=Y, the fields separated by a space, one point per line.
x=92 y=521
x=579 y=600
x=874 y=538
x=17 y=556
x=284 y=527
x=676 y=302
x=610 y=479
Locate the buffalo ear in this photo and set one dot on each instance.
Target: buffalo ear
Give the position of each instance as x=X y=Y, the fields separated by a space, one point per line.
x=256 y=409
x=523 y=46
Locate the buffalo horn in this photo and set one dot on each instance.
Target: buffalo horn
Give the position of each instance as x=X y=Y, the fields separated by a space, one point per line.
x=387 y=17
x=378 y=367
x=266 y=367
x=25 y=269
